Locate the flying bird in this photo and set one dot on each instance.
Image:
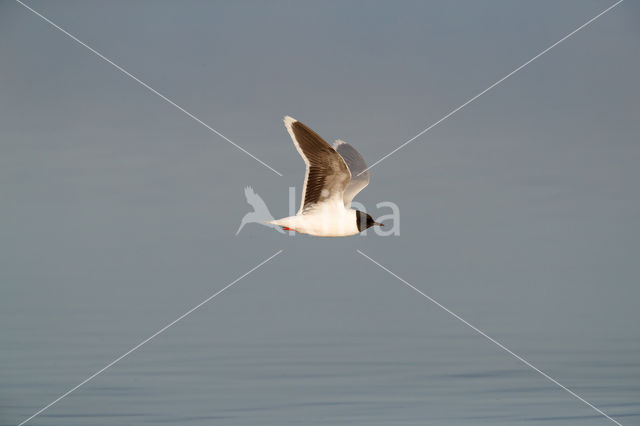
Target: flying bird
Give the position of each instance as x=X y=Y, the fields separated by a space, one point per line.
x=333 y=177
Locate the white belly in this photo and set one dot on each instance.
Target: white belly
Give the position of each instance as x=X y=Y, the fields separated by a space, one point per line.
x=335 y=223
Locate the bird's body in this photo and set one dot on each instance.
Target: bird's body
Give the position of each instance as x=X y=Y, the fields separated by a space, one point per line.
x=329 y=222
x=334 y=176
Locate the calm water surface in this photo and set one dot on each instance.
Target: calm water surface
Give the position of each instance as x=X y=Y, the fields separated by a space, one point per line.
x=271 y=352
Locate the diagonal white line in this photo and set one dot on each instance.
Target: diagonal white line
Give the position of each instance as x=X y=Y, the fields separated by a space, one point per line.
x=146 y=86
x=493 y=85
x=64 y=395
x=491 y=339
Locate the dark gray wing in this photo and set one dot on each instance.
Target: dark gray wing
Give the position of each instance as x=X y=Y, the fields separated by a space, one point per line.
x=357 y=167
x=327 y=174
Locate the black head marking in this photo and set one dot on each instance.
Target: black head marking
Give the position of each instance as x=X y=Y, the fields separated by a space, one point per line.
x=364 y=221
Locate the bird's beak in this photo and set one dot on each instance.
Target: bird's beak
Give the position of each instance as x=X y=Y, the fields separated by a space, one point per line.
x=378 y=224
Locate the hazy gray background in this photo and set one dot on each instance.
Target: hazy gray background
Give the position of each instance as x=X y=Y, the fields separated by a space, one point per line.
x=520 y=213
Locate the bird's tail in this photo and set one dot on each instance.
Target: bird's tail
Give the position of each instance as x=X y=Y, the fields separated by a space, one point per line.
x=274 y=224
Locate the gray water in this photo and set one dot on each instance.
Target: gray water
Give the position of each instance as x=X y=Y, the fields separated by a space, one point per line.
x=519 y=213
x=276 y=349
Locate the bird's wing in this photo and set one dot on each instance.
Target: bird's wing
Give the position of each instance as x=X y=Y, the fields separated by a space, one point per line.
x=327 y=174
x=357 y=167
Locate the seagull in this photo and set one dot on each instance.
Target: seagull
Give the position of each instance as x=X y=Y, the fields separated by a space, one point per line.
x=333 y=178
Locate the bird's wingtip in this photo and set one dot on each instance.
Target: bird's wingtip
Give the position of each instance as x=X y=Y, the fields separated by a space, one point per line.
x=338 y=142
x=288 y=120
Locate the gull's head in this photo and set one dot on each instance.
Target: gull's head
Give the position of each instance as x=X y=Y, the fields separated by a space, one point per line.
x=364 y=221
